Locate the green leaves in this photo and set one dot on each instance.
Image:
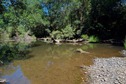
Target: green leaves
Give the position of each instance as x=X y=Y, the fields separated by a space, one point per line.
x=85 y=36
x=93 y=39
x=56 y=34
x=124 y=43
x=64 y=18
x=68 y=32
x=21 y=30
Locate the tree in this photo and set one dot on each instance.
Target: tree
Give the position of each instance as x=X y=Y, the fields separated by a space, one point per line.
x=1 y=7
x=103 y=18
x=80 y=16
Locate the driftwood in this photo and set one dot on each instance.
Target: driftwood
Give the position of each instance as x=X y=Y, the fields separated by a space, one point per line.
x=58 y=41
x=74 y=40
x=45 y=39
x=82 y=51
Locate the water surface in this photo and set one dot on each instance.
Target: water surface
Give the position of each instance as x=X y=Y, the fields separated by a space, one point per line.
x=56 y=64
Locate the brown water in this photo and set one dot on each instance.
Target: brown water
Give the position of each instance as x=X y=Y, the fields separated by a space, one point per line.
x=56 y=64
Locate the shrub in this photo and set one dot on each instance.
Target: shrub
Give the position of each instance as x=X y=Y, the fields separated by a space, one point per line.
x=4 y=36
x=93 y=39
x=56 y=34
x=68 y=32
x=125 y=43
x=85 y=37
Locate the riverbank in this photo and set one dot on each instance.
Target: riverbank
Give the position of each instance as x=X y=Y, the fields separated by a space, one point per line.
x=80 y=40
x=107 y=71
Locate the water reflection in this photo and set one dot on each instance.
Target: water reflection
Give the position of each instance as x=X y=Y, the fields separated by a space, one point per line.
x=88 y=46
x=17 y=77
x=56 y=64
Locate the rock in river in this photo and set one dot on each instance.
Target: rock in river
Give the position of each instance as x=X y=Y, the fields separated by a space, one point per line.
x=82 y=51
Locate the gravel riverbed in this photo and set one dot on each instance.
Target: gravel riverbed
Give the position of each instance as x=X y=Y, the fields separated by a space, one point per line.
x=107 y=71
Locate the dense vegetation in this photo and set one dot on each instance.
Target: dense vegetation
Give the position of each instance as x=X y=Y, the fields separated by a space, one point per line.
x=65 y=19
x=92 y=20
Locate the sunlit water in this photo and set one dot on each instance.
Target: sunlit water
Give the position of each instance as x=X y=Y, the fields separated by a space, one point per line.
x=56 y=64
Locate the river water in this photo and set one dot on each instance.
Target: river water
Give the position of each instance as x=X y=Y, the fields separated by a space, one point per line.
x=56 y=64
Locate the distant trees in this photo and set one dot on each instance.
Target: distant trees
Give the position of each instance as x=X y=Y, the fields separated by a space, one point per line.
x=67 y=12
x=21 y=16
x=64 y=18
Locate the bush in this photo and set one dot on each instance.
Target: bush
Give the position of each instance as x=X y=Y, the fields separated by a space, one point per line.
x=85 y=37
x=93 y=39
x=4 y=36
x=56 y=34
x=68 y=32
x=125 y=43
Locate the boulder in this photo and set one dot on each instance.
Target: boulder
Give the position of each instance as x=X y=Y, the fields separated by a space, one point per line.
x=123 y=52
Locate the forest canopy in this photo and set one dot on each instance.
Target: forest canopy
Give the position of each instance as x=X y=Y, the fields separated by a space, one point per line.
x=63 y=19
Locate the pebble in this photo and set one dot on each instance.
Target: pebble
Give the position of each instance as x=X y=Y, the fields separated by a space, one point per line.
x=107 y=71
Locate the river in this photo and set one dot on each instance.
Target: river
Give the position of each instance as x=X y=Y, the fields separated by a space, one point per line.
x=56 y=64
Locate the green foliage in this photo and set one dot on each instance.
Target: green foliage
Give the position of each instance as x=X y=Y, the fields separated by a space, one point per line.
x=105 y=19
x=93 y=39
x=1 y=7
x=60 y=19
x=125 y=43
x=56 y=34
x=10 y=51
x=68 y=32
x=21 y=30
x=1 y=22
x=85 y=36
x=4 y=36
x=65 y=19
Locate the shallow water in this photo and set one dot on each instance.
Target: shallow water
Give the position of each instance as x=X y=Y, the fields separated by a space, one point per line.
x=56 y=64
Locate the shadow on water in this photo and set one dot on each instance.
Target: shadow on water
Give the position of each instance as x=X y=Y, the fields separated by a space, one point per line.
x=36 y=44
x=26 y=55
x=14 y=51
